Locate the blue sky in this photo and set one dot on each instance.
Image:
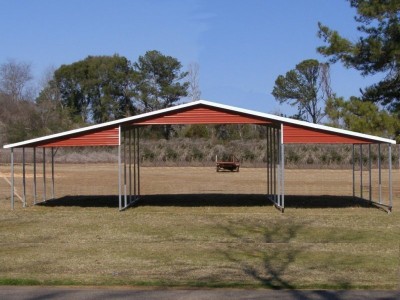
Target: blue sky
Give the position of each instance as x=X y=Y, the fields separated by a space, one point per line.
x=241 y=46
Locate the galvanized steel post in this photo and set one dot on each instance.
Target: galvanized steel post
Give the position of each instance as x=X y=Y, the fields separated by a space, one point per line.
x=125 y=196
x=119 y=170
x=278 y=158
x=134 y=163
x=130 y=165
x=370 y=172
x=267 y=158
x=271 y=166
x=274 y=188
x=23 y=177
x=283 y=168
x=361 y=171
x=44 y=174
x=354 y=176
x=12 y=178
x=379 y=173
x=138 y=159
x=52 y=172
x=390 y=178
x=34 y=176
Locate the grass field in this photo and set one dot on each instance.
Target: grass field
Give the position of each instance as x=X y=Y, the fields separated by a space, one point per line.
x=197 y=227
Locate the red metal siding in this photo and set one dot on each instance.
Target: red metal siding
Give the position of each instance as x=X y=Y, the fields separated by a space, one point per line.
x=293 y=134
x=103 y=137
x=202 y=115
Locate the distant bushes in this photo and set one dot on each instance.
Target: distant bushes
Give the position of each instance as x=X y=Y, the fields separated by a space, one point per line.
x=253 y=153
x=183 y=151
x=200 y=151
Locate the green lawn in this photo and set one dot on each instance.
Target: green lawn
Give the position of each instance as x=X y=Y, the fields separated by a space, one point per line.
x=194 y=245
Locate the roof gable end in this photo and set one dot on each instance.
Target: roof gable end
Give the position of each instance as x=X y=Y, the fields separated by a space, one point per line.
x=200 y=114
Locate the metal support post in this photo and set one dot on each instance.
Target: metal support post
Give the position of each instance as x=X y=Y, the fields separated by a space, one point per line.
x=23 y=177
x=269 y=162
x=379 y=173
x=278 y=156
x=52 y=173
x=370 y=172
x=268 y=157
x=361 y=171
x=354 y=176
x=12 y=178
x=119 y=177
x=130 y=165
x=390 y=178
x=271 y=166
x=138 y=159
x=134 y=163
x=124 y=150
x=44 y=174
x=274 y=157
x=283 y=170
x=34 y=176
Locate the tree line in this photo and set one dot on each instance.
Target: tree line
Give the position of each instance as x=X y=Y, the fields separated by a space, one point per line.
x=103 y=88
x=376 y=51
x=94 y=90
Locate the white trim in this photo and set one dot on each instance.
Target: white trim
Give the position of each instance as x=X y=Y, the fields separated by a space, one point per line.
x=301 y=123
x=210 y=104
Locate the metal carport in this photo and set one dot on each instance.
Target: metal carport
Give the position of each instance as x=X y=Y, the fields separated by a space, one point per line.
x=124 y=134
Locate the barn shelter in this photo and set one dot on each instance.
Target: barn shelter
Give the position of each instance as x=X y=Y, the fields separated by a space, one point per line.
x=281 y=131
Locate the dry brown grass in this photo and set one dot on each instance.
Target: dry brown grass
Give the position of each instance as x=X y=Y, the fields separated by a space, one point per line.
x=198 y=227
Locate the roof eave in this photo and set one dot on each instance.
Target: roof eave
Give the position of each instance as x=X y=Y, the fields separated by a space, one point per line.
x=97 y=126
x=206 y=103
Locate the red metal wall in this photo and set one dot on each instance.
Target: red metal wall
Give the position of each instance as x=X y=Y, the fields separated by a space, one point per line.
x=203 y=115
x=103 y=137
x=293 y=134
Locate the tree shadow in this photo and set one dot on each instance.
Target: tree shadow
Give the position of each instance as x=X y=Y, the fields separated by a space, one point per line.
x=324 y=201
x=274 y=263
x=213 y=200
x=269 y=265
x=83 y=201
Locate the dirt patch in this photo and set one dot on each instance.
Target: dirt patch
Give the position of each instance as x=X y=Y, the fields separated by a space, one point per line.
x=102 y=180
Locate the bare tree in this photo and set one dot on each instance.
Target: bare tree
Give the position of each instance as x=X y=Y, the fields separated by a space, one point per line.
x=53 y=116
x=49 y=98
x=194 y=87
x=47 y=77
x=14 y=79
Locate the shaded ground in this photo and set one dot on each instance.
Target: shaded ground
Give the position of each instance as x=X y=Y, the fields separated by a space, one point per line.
x=218 y=200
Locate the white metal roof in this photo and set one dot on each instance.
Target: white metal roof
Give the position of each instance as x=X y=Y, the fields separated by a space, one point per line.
x=209 y=104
